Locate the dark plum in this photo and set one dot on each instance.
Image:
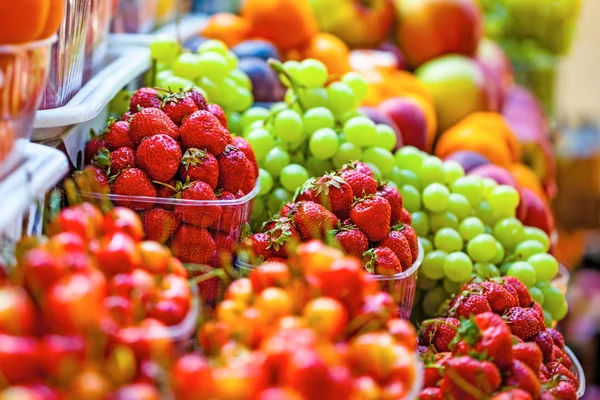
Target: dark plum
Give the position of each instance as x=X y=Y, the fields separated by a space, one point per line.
x=266 y=86
x=256 y=48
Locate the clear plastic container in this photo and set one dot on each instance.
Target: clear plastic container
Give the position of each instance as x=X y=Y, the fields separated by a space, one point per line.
x=577 y=370
x=23 y=73
x=135 y=16
x=68 y=54
x=96 y=44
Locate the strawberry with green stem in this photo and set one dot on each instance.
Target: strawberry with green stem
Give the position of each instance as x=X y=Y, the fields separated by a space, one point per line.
x=334 y=193
x=202 y=130
x=466 y=378
x=199 y=165
x=352 y=240
x=393 y=196
x=116 y=135
x=159 y=156
x=149 y=122
x=145 y=97
x=381 y=261
x=372 y=215
x=398 y=243
x=178 y=106
x=233 y=168
x=113 y=162
x=134 y=182
x=201 y=216
x=312 y=220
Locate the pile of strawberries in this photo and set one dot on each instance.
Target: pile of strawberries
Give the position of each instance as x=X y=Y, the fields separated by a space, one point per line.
x=172 y=146
x=348 y=208
x=493 y=343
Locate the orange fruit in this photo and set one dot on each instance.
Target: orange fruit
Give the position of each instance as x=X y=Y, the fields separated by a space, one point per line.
x=525 y=177
x=228 y=28
x=22 y=21
x=54 y=19
x=330 y=50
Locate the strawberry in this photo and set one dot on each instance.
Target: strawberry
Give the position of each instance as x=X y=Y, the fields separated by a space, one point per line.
x=193 y=245
x=284 y=237
x=93 y=147
x=433 y=368
x=439 y=333
x=250 y=180
x=521 y=376
x=134 y=182
x=202 y=130
x=557 y=337
x=246 y=148
x=523 y=322
x=382 y=261
x=405 y=217
x=199 y=165
x=512 y=394
x=562 y=357
x=557 y=370
x=198 y=98
x=159 y=156
x=117 y=135
x=471 y=304
x=233 y=168
x=115 y=161
x=178 y=106
x=398 y=243
x=563 y=390
x=126 y=117
x=499 y=298
x=258 y=247
x=150 y=122
x=358 y=166
x=520 y=289
x=160 y=224
x=393 y=196
x=362 y=185
x=352 y=240
x=413 y=240
x=201 y=216
x=466 y=378
x=528 y=353
x=333 y=193
x=225 y=247
x=372 y=216
x=546 y=345
x=168 y=191
x=487 y=334
x=230 y=215
x=218 y=112
x=312 y=220
x=431 y=393
x=144 y=98
x=285 y=210
x=97 y=178
x=539 y=314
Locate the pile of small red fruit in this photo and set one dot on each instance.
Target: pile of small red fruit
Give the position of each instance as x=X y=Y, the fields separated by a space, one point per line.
x=351 y=209
x=493 y=343
x=315 y=328
x=176 y=146
x=90 y=309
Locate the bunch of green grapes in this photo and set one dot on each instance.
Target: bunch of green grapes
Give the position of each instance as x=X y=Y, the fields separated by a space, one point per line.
x=469 y=231
x=317 y=129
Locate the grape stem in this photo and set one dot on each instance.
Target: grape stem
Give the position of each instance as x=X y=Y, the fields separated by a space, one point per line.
x=277 y=66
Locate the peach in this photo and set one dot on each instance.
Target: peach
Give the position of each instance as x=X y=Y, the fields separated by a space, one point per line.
x=410 y=118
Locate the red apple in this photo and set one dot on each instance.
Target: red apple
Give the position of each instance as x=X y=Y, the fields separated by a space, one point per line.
x=538 y=214
x=379 y=117
x=409 y=117
x=468 y=159
x=499 y=174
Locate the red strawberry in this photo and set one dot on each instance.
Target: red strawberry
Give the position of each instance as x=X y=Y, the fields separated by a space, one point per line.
x=126 y=117
x=284 y=237
x=522 y=322
x=562 y=391
x=382 y=261
x=431 y=393
x=556 y=369
x=134 y=182
x=230 y=215
x=225 y=247
x=159 y=156
x=160 y=224
x=203 y=215
x=466 y=378
x=562 y=357
x=333 y=193
x=433 y=371
x=361 y=184
x=144 y=98
x=250 y=181
x=439 y=333
x=93 y=147
x=372 y=216
x=513 y=394
x=150 y=122
x=472 y=304
x=499 y=298
x=97 y=177
x=399 y=245
x=544 y=342
x=199 y=165
x=198 y=98
x=557 y=337
x=352 y=240
x=519 y=287
x=393 y=196
x=285 y=210
x=313 y=220
x=539 y=314
x=487 y=334
x=413 y=240
x=233 y=168
x=202 y=130
x=358 y=166
x=116 y=161
x=528 y=353
x=178 y=106
x=405 y=217
x=246 y=148
x=218 y=112
x=258 y=245
x=168 y=191
x=521 y=376
x=193 y=245
x=117 y=135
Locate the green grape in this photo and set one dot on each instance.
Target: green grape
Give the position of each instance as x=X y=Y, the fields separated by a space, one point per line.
x=318 y=167
x=548 y=319
x=232 y=62
x=411 y=198
x=559 y=314
x=213 y=45
x=255 y=125
x=424 y=282
x=346 y=152
x=324 y=143
x=241 y=79
x=177 y=84
x=186 y=66
x=486 y=270
x=243 y=100
x=385 y=138
x=499 y=257
x=266 y=181
x=458 y=267
x=120 y=103
x=471 y=227
x=452 y=171
x=450 y=286
x=410 y=158
x=341 y=97
x=432 y=171
x=475 y=278
x=459 y=205
x=504 y=198
x=312 y=73
x=347 y=116
x=297 y=157
x=553 y=299
x=360 y=131
x=383 y=159
x=258 y=208
x=433 y=264
x=436 y=197
x=293 y=176
x=229 y=91
x=522 y=271
x=288 y=126
x=261 y=141
x=317 y=118
x=234 y=122
x=211 y=65
x=488 y=187
x=433 y=300
x=165 y=49
x=483 y=210
x=528 y=248
x=276 y=160
x=509 y=232
x=358 y=84
x=314 y=97
x=427 y=245
x=160 y=76
x=420 y=223
x=210 y=87
x=448 y=240
x=393 y=184
x=532 y=233
x=469 y=186
x=291 y=67
x=545 y=266
x=404 y=177
x=441 y=220
x=375 y=170
x=504 y=268
x=537 y=295
x=278 y=107
x=277 y=199
x=482 y=248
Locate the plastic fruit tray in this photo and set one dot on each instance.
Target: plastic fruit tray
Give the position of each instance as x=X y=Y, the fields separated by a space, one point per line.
x=577 y=370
